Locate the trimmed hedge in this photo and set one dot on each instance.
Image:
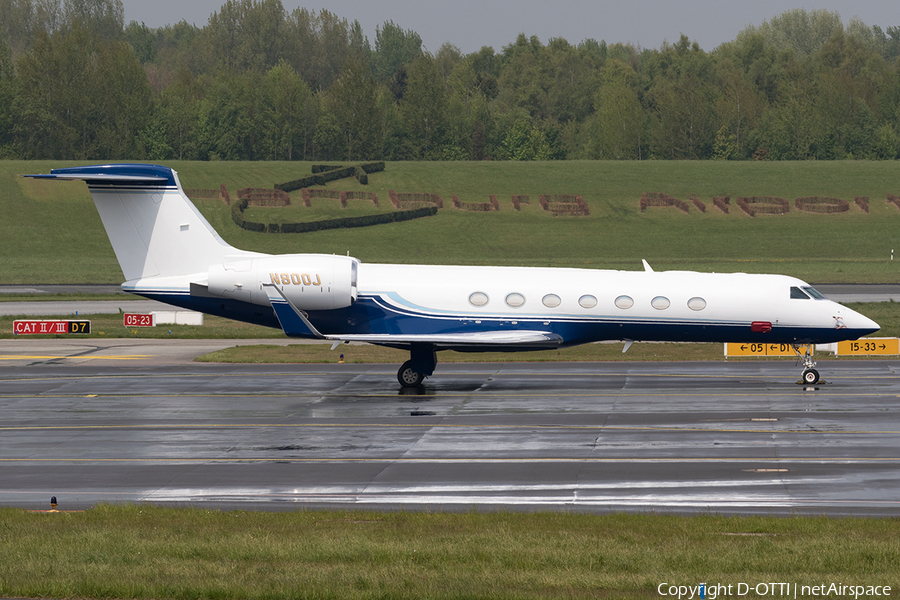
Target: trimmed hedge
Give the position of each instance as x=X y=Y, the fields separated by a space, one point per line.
x=414 y=200
x=770 y=205
x=368 y=196
x=894 y=200
x=862 y=202
x=322 y=174
x=396 y=216
x=296 y=184
x=322 y=168
x=660 y=199
x=476 y=206
x=518 y=200
x=197 y=193
x=263 y=197
x=564 y=204
x=700 y=205
x=237 y=215
x=721 y=203
x=309 y=194
x=820 y=204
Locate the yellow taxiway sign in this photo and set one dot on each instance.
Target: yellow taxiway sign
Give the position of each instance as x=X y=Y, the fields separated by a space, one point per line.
x=869 y=346
x=759 y=349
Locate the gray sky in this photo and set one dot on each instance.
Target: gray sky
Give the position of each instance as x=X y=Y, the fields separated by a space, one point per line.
x=471 y=24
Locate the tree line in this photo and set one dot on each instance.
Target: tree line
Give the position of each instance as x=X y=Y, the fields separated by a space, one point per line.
x=258 y=82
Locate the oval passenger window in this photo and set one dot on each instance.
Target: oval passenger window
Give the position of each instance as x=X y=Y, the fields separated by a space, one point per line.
x=587 y=301
x=624 y=302
x=660 y=303
x=551 y=301
x=515 y=300
x=696 y=303
x=478 y=299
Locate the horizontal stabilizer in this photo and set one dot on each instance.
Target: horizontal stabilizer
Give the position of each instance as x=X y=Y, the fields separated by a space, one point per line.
x=115 y=175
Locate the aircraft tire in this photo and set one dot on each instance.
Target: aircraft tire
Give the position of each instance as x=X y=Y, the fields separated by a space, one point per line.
x=409 y=378
x=810 y=376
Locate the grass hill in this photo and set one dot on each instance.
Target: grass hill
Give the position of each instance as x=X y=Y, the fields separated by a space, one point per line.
x=51 y=232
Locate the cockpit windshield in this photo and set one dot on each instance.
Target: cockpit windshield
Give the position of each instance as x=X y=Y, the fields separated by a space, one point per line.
x=798 y=294
x=814 y=293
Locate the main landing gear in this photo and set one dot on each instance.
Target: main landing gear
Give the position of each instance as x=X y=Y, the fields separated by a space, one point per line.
x=421 y=364
x=409 y=377
x=810 y=376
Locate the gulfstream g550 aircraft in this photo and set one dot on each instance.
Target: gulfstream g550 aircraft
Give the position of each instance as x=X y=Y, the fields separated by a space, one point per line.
x=169 y=252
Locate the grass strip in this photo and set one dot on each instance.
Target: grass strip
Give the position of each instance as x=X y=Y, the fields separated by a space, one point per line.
x=83 y=297
x=128 y=551
x=850 y=247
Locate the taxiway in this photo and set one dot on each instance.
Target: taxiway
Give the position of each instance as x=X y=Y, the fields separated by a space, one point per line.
x=141 y=423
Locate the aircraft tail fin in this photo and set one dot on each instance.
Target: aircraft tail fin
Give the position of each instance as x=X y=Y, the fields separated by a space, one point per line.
x=154 y=228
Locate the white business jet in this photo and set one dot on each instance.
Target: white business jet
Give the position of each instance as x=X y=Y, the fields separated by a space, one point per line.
x=169 y=252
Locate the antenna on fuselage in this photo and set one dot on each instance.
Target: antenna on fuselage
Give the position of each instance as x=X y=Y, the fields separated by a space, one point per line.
x=647 y=266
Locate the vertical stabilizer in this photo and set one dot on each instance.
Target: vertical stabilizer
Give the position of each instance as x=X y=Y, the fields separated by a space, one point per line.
x=154 y=228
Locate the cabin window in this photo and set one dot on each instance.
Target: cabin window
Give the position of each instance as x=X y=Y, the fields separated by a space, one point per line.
x=551 y=300
x=624 y=302
x=798 y=294
x=814 y=293
x=478 y=299
x=587 y=301
x=660 y=303
x=696 y=303
x=515 y=300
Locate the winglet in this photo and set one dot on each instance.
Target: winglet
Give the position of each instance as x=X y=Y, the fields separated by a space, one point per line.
x=647 y=266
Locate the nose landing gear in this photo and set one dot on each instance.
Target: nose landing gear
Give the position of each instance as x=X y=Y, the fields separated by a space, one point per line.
x=810 y=376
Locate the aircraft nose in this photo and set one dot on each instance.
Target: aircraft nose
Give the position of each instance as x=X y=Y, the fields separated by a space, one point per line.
x=859 y=323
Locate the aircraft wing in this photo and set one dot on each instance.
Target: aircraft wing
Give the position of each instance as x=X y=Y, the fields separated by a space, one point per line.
x=456 y=340
x=294 y=322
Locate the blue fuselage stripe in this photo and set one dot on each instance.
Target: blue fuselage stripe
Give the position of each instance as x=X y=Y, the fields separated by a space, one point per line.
x=369 y=315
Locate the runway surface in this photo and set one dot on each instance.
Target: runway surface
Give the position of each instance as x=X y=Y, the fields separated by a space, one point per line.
x=137 y=424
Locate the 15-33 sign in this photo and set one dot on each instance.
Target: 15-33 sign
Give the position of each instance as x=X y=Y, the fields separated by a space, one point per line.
x=868 y=346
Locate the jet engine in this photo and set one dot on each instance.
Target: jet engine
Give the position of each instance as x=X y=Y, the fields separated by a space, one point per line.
x=309 y=281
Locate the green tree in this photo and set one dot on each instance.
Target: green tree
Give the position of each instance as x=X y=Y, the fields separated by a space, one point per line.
x=422 y=110
x=80 y=97
x=179 y=108
x=318 y=45
x=7 y=97
x=739 y=107
x=617 y=127
x=20 y=20
x=105 y=18
x=286 y=98
x=231 y=118
x=681 y=102
x=800 y=31
x=247 y=34
x=394 y=47
x=142 y=40
x=351 y=106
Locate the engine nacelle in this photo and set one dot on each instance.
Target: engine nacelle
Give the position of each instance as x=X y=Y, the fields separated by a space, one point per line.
x=309 y=281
